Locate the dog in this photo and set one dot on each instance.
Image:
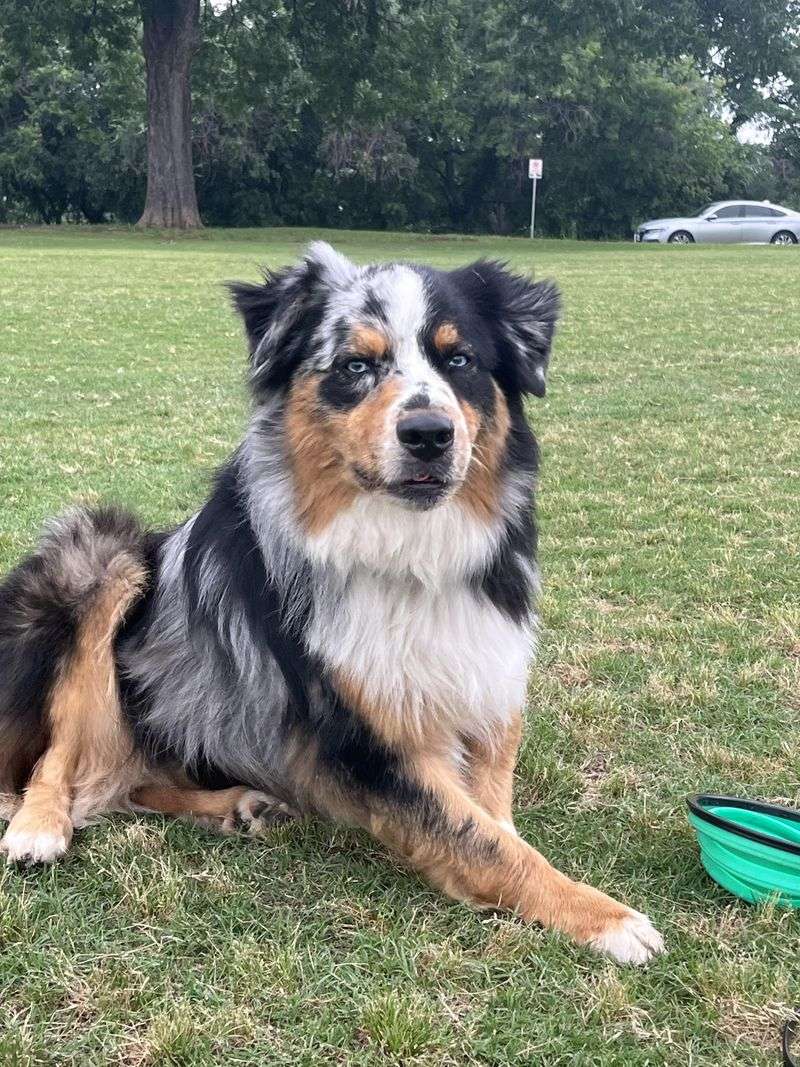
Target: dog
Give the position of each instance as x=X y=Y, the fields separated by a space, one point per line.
x=345 y=627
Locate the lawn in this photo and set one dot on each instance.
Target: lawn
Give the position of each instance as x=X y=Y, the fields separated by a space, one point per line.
x=670 y=663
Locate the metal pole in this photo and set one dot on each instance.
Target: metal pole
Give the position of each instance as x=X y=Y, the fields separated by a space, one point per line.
x=533 y=206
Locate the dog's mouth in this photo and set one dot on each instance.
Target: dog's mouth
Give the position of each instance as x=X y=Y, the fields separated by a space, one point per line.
x=422 y=488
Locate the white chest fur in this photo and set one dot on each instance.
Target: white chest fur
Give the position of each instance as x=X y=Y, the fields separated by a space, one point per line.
x=385 y=537
x=424 y=653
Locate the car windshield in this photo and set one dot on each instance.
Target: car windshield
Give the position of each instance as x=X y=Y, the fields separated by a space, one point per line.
x=703 y=211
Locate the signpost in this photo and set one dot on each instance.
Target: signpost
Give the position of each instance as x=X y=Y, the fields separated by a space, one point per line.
x=534 y=173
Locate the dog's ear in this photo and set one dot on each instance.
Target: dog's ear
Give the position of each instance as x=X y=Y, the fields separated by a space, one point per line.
x=522 y=315
x=281 y=315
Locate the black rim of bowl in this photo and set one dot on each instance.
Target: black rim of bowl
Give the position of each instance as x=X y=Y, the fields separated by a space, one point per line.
x=697 y=805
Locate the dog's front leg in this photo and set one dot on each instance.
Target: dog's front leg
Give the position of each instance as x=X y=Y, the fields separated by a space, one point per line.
x=490 y=772
x=41 y=829
x=462 y=850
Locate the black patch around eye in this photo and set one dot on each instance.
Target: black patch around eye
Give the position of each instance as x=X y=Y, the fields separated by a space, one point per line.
x=472 y=383
x=341 y=389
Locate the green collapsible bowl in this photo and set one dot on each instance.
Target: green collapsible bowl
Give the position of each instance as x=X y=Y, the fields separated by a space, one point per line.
x=749 y=848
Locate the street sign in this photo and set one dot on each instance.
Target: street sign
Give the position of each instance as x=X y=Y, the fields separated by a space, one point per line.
x=534 y=173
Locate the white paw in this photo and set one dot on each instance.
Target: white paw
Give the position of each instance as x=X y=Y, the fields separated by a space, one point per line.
x=42 y=847
x=633 y=940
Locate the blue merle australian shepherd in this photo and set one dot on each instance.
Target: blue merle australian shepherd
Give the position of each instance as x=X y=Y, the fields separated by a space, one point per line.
x=344 y=628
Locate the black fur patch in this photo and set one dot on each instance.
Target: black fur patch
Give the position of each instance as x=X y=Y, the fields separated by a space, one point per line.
x=350 y=750
x=505 y=580
x=222 y=532
x=292 y=302
x=38 y=627
x=449 y=304
x=373 y=306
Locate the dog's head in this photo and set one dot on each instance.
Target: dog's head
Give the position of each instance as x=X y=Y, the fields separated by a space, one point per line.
x=395 y=378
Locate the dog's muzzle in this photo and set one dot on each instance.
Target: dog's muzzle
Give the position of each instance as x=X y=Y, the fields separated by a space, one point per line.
x=427 y=440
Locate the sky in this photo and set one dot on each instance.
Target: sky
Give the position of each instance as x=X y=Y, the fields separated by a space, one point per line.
x=754 y=133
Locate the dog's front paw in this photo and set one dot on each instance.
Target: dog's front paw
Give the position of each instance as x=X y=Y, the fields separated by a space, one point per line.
x=36 y=840
x=632 y=939
x=255 y=812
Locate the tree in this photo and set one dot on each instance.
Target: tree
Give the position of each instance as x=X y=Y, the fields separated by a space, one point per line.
x=71 y=107
x=753 y=47
x=653 y=145
x=171 y=36
x=392 y=113
x=80 y=34
x=70 y=142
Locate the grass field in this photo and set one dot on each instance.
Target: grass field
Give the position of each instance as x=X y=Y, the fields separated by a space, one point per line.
x=670 y=663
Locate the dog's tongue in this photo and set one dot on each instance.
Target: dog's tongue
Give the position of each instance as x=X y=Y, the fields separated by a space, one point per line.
x=422 y=478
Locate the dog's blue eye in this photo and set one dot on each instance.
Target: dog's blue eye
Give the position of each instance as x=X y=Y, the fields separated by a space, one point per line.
x=357 y=366
x=458 y=361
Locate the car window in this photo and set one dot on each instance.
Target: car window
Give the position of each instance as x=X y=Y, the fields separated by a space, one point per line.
x=735 y=211
x=707 y=210
x=761 y=211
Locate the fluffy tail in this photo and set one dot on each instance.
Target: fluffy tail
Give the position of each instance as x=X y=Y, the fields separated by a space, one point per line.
x=90 y=564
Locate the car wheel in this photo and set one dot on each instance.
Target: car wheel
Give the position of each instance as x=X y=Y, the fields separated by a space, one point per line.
x=680 y=237
x=783 y=237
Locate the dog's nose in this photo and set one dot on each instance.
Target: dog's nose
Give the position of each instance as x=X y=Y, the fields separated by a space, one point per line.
x=426 y=435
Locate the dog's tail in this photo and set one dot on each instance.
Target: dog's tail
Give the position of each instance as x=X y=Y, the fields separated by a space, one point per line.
x=89 y=563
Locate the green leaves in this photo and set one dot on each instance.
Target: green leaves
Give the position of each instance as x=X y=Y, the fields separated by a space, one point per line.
x=378 y=113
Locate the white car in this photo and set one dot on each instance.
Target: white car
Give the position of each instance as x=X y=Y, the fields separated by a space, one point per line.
x=727 y=221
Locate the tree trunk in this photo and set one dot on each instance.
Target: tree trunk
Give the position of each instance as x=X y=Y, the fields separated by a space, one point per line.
x=171 y=37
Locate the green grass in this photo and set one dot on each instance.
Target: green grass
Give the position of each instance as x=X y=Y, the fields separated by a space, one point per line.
x=670 y=662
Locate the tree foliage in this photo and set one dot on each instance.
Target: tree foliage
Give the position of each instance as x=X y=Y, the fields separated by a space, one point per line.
x=409 y=113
